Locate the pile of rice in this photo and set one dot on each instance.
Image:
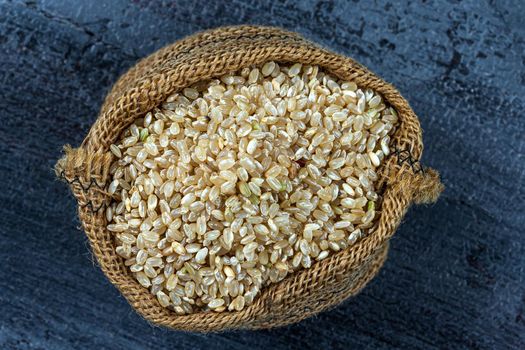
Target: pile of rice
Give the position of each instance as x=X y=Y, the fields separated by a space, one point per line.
x=234 y=183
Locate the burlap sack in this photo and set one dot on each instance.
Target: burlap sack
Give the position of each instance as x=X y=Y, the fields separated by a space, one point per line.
x=210 y=54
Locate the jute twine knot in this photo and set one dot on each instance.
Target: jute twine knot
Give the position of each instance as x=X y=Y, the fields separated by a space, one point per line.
x=420 y=188
x=410 y=179
x=86 y=173
x=425 y=187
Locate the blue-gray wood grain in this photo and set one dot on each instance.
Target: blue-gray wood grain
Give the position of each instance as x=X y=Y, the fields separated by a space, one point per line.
x=455 y=277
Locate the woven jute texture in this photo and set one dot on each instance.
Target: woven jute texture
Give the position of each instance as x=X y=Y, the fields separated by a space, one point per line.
x=402 y=181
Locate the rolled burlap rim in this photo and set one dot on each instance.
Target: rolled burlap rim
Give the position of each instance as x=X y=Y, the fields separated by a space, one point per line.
x=210 y=54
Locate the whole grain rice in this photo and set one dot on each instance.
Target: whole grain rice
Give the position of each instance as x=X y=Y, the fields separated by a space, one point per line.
x=243 y=179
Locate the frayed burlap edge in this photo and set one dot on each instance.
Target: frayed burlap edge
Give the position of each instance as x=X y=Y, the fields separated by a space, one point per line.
x=210 y=54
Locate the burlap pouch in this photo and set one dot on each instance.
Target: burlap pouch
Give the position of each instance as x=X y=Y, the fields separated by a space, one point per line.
x=213 y=53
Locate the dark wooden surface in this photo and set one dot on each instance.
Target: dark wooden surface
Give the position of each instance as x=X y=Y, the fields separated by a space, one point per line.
x=455 y=277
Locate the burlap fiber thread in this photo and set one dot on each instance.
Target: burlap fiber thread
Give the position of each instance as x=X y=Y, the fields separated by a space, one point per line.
x=211 y=54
